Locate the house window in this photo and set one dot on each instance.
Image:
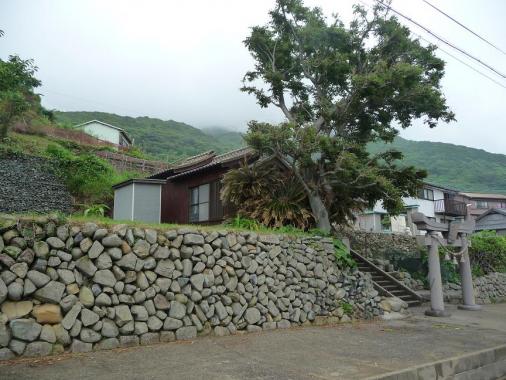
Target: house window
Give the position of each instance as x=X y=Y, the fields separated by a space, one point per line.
x=426 y=194
x=481 y=204
x=199 y=203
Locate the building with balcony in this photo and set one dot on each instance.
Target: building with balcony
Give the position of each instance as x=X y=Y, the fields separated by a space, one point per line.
x=436 y=202
x=481 y=202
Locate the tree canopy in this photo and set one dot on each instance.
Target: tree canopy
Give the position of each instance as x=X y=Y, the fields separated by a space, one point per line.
x=341 y=87
x=17 y=84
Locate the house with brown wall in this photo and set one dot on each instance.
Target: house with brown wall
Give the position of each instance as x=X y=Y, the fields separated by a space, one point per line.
x=189 y=189
x=482 y=202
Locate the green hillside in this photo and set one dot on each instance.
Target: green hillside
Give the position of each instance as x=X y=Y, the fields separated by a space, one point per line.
x=226 y=137
x=455 y=166
x=167 y=140
x=459 y=167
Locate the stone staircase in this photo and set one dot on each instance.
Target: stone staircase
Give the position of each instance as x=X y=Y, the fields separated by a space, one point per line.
x=385 y=284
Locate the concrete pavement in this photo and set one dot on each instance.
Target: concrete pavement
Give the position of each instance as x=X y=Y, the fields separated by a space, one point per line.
x=352 y=351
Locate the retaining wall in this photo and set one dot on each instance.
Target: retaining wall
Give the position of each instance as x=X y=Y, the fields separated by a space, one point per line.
x=84 y=287
x=381 y=245
x=27 y=184
x=490 y=288
x=124 y=162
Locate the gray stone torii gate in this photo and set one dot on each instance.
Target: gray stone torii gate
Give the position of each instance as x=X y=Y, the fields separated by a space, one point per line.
x=454 y=234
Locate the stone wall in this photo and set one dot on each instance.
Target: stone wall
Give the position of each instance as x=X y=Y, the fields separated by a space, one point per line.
x=84 y=287
x=381 y=245
x=28 y=185
x=488 y=289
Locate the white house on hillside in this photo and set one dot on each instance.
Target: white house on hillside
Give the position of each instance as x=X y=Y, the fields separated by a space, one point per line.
x=106 y=132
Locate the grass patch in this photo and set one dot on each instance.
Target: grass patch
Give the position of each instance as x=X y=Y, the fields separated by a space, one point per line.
x=242 y=224
x=88 y=177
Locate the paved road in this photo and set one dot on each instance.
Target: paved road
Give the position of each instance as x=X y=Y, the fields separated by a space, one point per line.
x=344 y=352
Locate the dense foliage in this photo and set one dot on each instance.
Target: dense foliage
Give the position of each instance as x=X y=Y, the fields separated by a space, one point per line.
x=260 y=192
x=488 y=252
x=340 y=88
x=167 y=140
x=17 y=97
x=88 y=178
x=454 y=166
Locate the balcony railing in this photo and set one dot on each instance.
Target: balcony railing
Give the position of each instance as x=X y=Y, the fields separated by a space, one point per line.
x=450 y=207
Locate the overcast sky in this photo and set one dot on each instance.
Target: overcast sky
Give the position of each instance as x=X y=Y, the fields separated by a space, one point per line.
x=185 y=60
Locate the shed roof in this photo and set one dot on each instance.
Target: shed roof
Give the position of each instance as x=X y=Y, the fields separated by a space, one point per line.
x=485 y=222
x=123 y=132
x=144 y=181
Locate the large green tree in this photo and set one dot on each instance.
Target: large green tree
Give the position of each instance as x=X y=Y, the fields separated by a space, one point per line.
x=341 y=87
x=17 y=84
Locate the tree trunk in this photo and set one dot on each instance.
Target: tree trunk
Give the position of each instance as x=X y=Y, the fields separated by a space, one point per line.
x=320 y=213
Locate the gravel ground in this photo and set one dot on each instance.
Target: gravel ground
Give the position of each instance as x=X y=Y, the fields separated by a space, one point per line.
x=27 y=185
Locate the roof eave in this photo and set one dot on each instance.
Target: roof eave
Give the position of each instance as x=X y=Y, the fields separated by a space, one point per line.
x=144 y=181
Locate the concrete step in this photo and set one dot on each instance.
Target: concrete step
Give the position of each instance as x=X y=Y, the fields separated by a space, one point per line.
x=488 y=364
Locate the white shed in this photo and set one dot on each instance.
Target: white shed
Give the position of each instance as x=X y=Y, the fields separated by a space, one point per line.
x=139 y=200
x=106 y=132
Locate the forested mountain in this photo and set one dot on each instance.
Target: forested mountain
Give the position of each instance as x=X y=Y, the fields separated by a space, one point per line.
x=167 y=140
x=459 y=167
x=455 y=166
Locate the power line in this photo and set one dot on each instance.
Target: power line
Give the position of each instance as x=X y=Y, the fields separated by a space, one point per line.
x=101 y=104
x=442 y=39
x=463 y=62
x=453 y=56
x=465 y=27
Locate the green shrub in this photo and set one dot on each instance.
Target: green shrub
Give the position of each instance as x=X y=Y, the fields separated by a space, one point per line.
x=264 y=193
x=87 y=177
x=347 y=308
x=488 y=252
x=134 y=151
x=343 y=256
x=449 y=271
x=96 y=210
x=244 y=223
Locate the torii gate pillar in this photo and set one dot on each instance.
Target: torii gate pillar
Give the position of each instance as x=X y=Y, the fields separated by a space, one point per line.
x=467 y=284
x=437 y=306
x=456 y=233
